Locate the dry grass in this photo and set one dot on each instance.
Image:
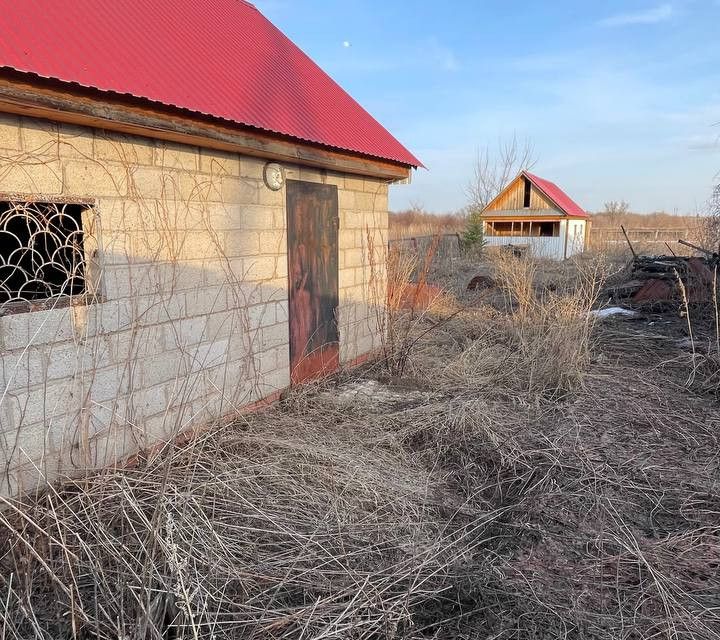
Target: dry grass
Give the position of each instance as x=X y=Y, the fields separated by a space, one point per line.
x=533 y=336
x=413 y=309
x=656 y=220
x=251 y=532
x=508 y=486
x=418 y=223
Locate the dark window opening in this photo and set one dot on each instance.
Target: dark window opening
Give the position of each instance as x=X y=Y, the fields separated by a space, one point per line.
x=549 y=229
x=42 y=251
x=526 y=195
x=502 y=228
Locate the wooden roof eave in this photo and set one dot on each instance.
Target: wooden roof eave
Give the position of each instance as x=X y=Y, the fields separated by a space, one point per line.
x=530 y=218
x=36 y=97
x=533 y=218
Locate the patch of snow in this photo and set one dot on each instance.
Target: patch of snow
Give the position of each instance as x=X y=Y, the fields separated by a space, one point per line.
x=609 y=312
x=375 y=396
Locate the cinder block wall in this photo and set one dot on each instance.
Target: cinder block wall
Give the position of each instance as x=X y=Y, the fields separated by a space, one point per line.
x=193 y=273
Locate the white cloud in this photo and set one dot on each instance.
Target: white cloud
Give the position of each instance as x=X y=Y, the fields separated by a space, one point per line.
x=661 y=13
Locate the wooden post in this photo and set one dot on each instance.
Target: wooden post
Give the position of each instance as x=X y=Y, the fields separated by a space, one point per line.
x=588 y=229
x=694 y=246
x=628 y=241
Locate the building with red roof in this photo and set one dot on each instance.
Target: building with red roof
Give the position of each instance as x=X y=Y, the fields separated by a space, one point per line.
x=534 y=213
x=193 y=217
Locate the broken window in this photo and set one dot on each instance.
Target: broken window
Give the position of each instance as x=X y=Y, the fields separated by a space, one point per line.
x=526 y=195
x=42 y=252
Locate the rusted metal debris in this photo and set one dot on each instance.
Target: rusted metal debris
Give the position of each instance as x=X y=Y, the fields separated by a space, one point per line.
x=668 y=278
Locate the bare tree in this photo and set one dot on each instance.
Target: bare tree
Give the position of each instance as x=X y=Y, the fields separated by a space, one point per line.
x=616 y=210
x=709 y=227
x=495 y=167
x=417 y=207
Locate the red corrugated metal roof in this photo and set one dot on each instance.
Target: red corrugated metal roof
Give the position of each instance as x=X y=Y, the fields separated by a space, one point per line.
x=565 y=203
x=220 y=58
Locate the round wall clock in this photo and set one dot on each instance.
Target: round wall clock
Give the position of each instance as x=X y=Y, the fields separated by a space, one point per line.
x=274 y=176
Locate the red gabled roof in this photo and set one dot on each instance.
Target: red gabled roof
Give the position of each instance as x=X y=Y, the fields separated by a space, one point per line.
x=564 y=202
x=219 y=58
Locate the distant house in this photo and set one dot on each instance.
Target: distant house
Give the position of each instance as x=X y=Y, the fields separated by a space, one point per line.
x=535 y=213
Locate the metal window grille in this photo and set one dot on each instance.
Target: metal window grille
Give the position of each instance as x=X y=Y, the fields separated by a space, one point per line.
x=42 y=253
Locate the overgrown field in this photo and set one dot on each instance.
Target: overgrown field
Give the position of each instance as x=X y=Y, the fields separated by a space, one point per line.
x=511 y=468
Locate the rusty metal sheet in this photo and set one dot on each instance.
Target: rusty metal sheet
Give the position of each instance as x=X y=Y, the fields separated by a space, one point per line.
x=654 y=290
x=312 y=211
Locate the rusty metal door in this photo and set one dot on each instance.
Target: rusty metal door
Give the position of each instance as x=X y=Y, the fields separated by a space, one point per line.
x=312 y=211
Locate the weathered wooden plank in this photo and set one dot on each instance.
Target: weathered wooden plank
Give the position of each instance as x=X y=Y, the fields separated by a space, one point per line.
x=42 y=99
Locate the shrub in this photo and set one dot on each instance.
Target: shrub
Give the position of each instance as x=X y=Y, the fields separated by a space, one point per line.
x=473 y=236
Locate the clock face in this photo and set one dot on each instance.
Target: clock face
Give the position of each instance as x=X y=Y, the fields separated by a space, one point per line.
x=274 y=176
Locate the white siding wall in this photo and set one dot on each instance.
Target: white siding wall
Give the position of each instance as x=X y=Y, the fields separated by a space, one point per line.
x=576 y=237
x=542 y=247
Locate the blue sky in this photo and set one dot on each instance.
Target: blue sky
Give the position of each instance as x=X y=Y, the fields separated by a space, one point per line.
x=620 y=99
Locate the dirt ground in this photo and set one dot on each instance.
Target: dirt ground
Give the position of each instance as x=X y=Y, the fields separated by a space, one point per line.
x=497 y=487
